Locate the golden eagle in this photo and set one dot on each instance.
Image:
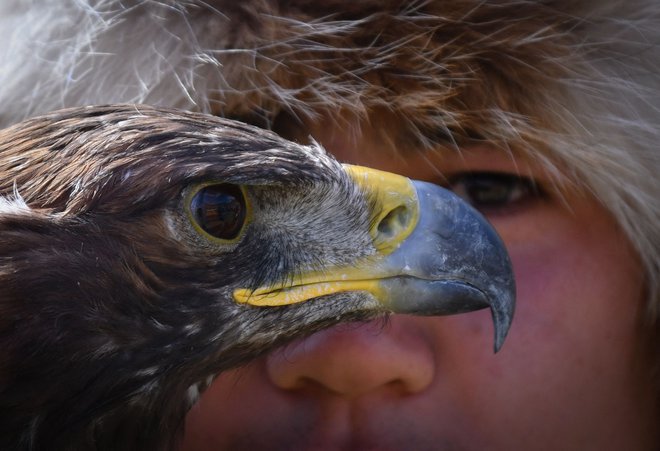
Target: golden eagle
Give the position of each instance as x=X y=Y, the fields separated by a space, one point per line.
x=143 y=251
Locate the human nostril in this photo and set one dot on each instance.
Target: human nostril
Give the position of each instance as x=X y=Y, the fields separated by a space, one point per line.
x=357 y=361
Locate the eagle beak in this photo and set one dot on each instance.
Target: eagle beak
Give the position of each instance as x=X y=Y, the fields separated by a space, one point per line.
x=453 y=262
x=435 y=255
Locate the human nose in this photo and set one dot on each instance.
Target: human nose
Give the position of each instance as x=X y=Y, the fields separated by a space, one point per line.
x=357 y=359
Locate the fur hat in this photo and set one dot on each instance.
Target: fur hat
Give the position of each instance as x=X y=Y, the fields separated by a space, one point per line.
x=573 y=83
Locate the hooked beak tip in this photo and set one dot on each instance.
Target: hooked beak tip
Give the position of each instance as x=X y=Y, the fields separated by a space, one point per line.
x=502 y=308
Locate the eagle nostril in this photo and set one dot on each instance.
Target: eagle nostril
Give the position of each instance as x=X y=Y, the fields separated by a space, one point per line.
x=394 y=206
x=395 y=223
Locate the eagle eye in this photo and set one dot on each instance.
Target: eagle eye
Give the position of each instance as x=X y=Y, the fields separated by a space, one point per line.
x=219 y=210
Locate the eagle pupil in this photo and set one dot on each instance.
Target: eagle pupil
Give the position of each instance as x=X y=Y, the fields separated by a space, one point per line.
x=219 y=210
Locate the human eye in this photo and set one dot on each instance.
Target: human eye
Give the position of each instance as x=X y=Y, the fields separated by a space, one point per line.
x=494 y=193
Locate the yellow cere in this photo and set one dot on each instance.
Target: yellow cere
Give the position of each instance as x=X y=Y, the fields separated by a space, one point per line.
x=397 y=205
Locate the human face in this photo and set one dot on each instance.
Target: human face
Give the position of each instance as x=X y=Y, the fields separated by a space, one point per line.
x=570 y=376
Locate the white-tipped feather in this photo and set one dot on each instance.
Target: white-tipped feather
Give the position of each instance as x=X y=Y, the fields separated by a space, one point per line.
x=14 y=205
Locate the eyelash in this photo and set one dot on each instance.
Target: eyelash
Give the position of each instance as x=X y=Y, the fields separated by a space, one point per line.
x=494 y=193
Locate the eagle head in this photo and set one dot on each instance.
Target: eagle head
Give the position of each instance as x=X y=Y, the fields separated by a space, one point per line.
x=143 y=251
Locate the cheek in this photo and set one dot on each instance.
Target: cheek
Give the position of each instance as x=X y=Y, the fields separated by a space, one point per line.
x=578 y=285
x=571 y=353
x=571 y=276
